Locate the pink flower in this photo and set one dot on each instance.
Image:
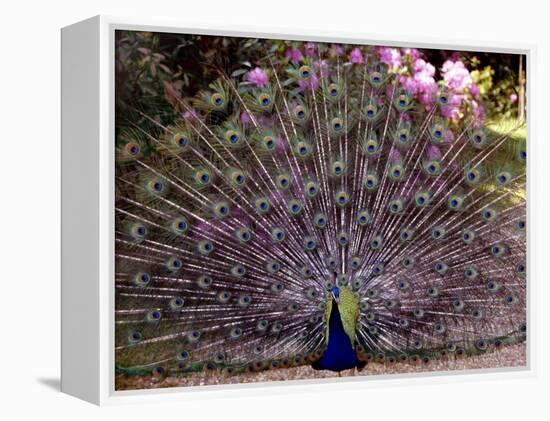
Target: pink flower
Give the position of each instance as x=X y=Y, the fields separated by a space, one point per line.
x=190 y=115
x=455 y=56
x=452 y=110
x=456 y=75
x=422 y=82
x=336 y=50
x=474 y=90
x=311 y=83
x=421 y=66
x=390 y=56
x=257 y=77
x=356 y=56
x=513 y=98
x=322 y=68
x=310 y=49
x=413 y=52
x=433 y=152
x=245 y=118
x=409 y=83
x=293 y=54
x=280 y=145
x=395 y=155
x=479 y=114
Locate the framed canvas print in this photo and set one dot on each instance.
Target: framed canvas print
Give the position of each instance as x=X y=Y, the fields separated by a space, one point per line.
x=244 y=208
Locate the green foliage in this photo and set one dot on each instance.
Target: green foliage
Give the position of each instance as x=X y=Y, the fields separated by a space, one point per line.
x=498 y=79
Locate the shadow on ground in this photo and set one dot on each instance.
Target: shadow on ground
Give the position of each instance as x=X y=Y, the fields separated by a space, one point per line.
x=53 y=383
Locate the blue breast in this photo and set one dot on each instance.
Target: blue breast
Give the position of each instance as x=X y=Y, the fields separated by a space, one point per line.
x=339 y=354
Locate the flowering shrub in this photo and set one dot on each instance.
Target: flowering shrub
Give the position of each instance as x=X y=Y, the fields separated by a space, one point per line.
x=413 y=72
x=418 y=77
x=148 y=64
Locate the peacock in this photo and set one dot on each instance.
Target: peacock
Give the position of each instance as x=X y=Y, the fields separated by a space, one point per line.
x=316 y=211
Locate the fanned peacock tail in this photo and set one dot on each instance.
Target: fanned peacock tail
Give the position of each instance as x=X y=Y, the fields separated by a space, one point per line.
x=276 y=188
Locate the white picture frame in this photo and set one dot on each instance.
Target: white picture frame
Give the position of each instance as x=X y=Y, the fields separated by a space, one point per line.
x=88 y=212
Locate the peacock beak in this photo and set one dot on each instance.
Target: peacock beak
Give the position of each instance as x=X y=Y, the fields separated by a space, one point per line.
x=337 y=299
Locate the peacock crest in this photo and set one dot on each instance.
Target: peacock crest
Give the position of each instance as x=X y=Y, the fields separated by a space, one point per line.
x=298 y=188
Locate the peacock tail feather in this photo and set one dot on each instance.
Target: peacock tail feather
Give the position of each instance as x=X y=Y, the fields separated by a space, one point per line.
x=236 y=220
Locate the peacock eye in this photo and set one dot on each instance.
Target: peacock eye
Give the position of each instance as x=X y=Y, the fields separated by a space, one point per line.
x=132 y=149
x=217 y=99
x=310 y=243
x=305 y=72
x=265 y=99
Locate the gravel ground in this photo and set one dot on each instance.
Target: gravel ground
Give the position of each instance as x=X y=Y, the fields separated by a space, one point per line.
x=511 y=356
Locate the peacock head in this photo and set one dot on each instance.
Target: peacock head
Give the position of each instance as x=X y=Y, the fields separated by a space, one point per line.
x=335 y=291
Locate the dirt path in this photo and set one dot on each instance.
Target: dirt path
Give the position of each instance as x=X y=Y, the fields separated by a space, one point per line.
x=512 y=356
